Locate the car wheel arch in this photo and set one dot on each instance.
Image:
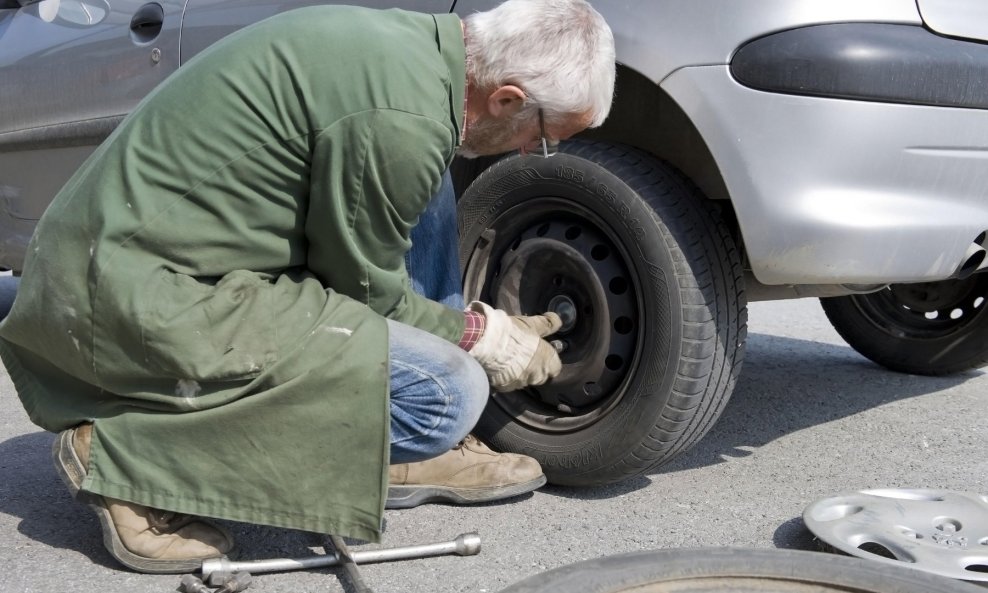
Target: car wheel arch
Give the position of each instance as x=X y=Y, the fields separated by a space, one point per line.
x=645 y=117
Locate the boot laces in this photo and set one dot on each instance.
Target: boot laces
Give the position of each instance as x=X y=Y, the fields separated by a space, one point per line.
x=470 y=443
x=163 y=522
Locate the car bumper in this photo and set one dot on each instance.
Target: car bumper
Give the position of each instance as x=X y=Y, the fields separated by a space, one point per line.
x=833 y=191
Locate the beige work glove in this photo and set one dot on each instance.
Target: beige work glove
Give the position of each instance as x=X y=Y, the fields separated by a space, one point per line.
x=512 y=350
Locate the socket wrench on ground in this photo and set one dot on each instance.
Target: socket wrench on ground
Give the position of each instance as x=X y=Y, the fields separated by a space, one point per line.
x=227 y=583
x=466 y=544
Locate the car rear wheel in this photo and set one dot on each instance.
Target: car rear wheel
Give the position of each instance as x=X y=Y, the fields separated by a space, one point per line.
x=932 y=328
x=648 y=281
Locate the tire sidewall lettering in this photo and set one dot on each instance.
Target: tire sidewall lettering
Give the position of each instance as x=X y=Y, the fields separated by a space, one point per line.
x=607 y=195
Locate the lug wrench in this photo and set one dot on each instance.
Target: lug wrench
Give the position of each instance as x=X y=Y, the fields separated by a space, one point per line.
x=349 y=565
x=466 y=544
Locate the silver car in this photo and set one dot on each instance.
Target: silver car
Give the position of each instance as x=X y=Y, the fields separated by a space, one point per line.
x=757 y=149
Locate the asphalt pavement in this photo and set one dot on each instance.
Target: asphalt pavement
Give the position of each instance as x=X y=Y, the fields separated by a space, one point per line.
x=810 y=418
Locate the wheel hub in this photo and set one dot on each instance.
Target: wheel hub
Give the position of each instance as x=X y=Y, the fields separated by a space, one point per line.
x=571 y=268
x=927 y=297
x=928 y=309
x=564 y=306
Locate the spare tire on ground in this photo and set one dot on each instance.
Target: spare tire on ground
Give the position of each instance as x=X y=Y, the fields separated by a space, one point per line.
x=710 y=570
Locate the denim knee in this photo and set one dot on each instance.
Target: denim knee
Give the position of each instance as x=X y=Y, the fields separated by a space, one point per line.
x=437 y=394
x=472 y=392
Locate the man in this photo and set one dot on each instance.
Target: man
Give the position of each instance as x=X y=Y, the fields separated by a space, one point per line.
x=215 y=313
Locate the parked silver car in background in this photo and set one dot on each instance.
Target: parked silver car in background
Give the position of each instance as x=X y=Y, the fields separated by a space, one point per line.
x=757 y=149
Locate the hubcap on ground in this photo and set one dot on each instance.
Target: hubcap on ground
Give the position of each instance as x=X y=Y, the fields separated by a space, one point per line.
x=939 y=531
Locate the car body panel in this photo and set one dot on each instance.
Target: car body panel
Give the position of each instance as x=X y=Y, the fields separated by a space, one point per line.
x=208 y=20
x=71 y=70
x=957 y=18
x=658 y=37
x=869 y=200
x=57 y=69
x=817 y=200
x=71 y=73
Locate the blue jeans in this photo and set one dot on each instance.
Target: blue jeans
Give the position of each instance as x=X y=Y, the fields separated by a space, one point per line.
x=433 y=262
x=437 y=390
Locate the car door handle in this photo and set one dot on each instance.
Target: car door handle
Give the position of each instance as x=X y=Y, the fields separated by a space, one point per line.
x=146 y=22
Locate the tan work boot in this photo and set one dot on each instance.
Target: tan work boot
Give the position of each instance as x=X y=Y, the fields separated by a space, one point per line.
x=139 y=537
x=469 y=473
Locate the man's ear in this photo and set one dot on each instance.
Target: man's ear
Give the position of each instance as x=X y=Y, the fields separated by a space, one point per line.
x=505 y=101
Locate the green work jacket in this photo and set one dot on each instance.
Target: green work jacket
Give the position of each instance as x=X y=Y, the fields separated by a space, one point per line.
x=211 y=287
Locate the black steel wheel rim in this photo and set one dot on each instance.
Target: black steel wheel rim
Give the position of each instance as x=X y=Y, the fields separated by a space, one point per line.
x=556 y=254
x=926 y=310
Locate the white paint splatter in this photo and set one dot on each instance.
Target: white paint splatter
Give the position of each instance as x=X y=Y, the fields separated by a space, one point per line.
x=338 y=330
x=187 y=388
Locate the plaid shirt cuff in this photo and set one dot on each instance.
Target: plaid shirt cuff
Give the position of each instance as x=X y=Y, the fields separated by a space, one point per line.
x=472 y=329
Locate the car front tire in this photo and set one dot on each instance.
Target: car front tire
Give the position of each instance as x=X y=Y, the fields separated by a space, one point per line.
x=648 y=280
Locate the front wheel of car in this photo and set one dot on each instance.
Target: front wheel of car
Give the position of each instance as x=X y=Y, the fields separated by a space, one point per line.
x=647 y=279
x=931 y=328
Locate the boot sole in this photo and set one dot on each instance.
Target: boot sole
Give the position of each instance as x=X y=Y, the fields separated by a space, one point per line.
x=406 y=497
x=67 y=463
x=70 y=469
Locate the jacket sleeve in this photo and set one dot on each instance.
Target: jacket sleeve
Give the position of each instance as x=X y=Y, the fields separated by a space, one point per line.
x=372 y=175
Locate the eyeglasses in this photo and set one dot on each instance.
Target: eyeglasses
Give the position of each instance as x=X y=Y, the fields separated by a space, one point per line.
x=549 y=147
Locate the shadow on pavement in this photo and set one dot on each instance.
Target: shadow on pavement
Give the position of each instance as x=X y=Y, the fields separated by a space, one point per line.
x=32 y=491
x=786 y=385
x=794 y=535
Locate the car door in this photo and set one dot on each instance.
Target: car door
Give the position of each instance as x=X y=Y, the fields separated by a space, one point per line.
x=209 y=20
x=70 y=71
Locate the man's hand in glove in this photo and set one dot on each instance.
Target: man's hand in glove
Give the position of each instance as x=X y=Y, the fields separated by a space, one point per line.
x=512 y=350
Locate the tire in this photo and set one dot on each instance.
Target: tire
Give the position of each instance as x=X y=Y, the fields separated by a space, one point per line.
x=735 y=570
x=934 y=328
x=650 y=279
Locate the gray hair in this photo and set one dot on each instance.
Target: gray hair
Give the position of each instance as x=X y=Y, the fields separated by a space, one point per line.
x=560 y=52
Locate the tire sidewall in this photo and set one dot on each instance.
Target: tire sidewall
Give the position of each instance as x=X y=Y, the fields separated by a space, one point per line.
x=725 y=569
